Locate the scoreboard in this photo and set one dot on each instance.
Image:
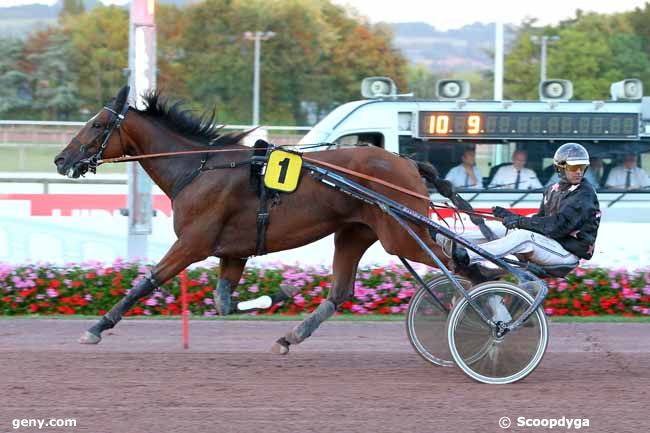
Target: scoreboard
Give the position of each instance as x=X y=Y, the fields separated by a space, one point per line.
x=529 y=125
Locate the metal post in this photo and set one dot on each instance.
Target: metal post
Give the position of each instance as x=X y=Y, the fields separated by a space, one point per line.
x=543 y=42
x=498 y=61
x=257 y=38
x=542 y=70
x=256 y=82
x=142 y=77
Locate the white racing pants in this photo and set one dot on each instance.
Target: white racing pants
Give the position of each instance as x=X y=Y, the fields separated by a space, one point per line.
x=540 y=249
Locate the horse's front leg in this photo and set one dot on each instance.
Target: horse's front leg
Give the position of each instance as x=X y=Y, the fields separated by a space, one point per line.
x=230 y=271
x=180 y=255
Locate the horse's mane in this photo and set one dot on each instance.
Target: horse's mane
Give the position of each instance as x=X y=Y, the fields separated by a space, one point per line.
x=182 y=120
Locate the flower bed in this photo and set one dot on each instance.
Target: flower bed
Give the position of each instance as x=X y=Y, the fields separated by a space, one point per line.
x=92 y=289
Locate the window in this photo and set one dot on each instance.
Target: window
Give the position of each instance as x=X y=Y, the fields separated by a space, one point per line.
x=360 y=139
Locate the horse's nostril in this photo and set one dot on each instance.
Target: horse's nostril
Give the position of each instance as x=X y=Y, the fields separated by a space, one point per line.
x=58 y=161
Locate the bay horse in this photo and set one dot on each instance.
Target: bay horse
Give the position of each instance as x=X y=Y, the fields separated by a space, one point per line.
x=215 y=213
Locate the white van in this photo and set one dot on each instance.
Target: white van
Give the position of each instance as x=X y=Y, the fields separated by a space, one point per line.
x=439 y=131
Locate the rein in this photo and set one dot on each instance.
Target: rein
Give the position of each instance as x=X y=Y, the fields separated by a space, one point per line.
x=312 y=160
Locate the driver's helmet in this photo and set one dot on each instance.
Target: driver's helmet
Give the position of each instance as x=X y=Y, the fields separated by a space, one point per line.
x=570 y=156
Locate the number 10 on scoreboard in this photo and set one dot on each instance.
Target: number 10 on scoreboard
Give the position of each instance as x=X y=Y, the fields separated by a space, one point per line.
x=439 y=124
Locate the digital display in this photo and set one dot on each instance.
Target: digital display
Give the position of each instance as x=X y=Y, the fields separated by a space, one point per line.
x=529 y=125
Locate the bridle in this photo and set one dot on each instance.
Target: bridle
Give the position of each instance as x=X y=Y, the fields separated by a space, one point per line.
x=91 y=163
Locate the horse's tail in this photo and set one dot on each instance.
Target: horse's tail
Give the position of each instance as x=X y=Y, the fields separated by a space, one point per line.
x=430 y=173
x=446 y=189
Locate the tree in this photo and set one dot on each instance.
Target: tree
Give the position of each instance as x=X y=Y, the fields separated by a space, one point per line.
x=171 y=25
x=71 y=8
x=421 y=81
x=594 y=50
x=521 y=66
x=98 y=53
x=15 y=92
x=54 y=85
x=315 y=61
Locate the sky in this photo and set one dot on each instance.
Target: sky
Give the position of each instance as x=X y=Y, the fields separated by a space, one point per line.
x=456 y=13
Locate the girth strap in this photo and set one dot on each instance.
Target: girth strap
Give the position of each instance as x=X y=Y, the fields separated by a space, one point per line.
x=262 y=147
x=262 y=221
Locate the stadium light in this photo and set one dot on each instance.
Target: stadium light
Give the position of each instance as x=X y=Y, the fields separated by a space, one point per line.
x=257 y=37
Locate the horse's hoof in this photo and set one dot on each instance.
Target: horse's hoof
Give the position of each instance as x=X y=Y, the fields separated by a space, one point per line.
x=280 y=347
x=89 y=338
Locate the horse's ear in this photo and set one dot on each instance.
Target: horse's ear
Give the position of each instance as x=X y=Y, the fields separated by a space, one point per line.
x=122 y=98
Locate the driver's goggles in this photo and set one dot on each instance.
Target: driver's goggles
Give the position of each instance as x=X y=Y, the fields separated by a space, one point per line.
x=576 y=167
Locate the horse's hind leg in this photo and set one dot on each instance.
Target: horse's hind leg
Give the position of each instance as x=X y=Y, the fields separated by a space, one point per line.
x=230 y=271
x=350 y=243
x=179 y=256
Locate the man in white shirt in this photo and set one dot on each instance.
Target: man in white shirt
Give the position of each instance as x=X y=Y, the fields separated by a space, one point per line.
x=515 y=176
x=628 y=175
x=466 y=175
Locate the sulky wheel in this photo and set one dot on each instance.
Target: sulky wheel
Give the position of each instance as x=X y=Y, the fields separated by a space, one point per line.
x=426 y=320
x=476 y=349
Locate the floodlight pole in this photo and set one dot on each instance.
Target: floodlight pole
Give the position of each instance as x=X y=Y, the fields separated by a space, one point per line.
x=543 y=42
x=498 y=61
x=257 y=37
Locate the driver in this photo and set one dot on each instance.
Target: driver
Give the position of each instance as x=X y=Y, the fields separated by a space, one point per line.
x=564 y=229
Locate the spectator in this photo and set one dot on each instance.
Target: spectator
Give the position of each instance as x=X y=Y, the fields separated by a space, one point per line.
x=466 y=175
x=627 y=175
x=595 y=173
x=516 y=176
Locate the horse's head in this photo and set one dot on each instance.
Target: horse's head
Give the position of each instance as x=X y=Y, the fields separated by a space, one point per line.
x=96 y=140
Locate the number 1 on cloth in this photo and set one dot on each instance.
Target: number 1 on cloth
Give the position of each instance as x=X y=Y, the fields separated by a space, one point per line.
x=283 y=171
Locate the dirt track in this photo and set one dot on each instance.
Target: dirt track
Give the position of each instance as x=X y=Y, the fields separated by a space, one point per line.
x=349 y=377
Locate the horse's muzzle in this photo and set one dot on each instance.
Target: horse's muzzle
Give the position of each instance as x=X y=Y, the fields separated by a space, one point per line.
x=72 y=170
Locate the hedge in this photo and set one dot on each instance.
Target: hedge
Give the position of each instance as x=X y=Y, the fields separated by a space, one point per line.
x=92 y=288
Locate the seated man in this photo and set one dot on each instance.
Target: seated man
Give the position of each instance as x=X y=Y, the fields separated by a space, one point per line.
x=627 y=175
x=466 y=175
x=565 y=228
x=515 y=176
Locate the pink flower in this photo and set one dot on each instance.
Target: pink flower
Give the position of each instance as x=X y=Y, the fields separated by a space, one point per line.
x=152 y=302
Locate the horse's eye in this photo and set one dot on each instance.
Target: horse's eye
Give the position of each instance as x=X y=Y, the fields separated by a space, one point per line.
x=97 y=125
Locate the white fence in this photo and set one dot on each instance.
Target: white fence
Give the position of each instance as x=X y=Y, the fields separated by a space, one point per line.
x=30 y=145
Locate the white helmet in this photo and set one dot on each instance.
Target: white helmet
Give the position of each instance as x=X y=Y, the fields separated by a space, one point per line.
x=570 y=154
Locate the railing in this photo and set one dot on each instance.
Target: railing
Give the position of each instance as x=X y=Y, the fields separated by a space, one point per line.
x=46 y=182
x=27 y=145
